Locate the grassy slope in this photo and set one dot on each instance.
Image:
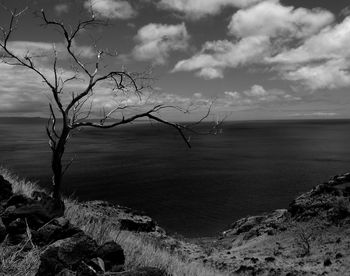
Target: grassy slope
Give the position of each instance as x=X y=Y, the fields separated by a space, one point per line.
x=139 y=250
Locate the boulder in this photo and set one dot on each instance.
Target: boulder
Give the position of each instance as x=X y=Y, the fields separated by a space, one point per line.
x=57 y=229
x=16 y=227
x=67 y=254
x=50 y=264
x=37 y=211
x=112 y=255
x=137 y=225
x=5 y=189
x=18 y=200
x=55 y=208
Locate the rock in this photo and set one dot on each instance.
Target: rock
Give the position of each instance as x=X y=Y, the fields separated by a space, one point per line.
x=137 y=225
x=18 y=200
x=3 y=232
x=76 y=248
x=37 y=212
x=53 y=207
x=270 y=259
x=112 y=255
x=5 y=189
x=67 y=253
x=339 y=255
x=57 y=229
x=327 y=262
x=143 y=271
x=321 y=202
x=247 y=269
x=18 y=226
x=50 y=264
x=245 y=224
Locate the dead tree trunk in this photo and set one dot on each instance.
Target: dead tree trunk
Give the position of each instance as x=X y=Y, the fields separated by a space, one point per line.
x=56 y=162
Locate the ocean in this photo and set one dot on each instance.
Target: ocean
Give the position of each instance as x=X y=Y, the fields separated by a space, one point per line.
x=250 y=168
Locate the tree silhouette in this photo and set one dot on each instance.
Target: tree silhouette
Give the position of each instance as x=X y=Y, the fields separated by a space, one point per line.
x=75 y=113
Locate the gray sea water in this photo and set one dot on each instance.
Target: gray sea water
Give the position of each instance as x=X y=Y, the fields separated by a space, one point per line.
x=250 y=168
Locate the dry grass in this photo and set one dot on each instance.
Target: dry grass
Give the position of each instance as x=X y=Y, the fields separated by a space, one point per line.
x=18 y=262
x=139 y=250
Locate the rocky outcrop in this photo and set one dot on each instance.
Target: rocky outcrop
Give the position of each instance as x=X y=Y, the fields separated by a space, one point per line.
x=308 y=238
x=258 y=225
x=329 y=201
x=121 y=217
x=21 y=212
x=66 y=249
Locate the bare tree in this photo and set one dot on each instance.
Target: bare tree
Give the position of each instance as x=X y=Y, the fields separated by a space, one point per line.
x=69 y=115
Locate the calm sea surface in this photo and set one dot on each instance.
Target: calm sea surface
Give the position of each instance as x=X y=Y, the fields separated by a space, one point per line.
x=252 y=167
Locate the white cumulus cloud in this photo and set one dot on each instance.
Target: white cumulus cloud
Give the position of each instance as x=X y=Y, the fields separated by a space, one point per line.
x=273 y=19
x=195 y=9
x=112 y=9
x=321 y=61
x=217 y=55
x=156 y=41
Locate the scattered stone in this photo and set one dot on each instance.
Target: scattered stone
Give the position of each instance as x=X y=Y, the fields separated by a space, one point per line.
x=254 y=260
x=270 y=259
x=327 y=262
x=339 y=255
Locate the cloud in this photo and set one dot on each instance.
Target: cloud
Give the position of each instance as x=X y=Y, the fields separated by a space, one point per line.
x=61 y=8
x=215 y=56
x=331 y=74
x=195 y=9
x=112 y=9
x=45 y=50
x=315 y=114
x=275 y=20
x=331 y=43
x=304 y=46
x=257 y=95
x=156 y=41
x=322 y=61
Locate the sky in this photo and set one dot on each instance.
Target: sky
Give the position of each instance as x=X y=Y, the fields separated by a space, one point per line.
x=254 y=59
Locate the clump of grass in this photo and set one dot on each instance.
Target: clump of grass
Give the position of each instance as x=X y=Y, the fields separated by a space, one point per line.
x=18 y=262
x=19 y=185
x=139 y=250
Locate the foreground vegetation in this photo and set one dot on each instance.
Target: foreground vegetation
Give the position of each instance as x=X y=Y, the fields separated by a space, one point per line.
x=139 y=249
